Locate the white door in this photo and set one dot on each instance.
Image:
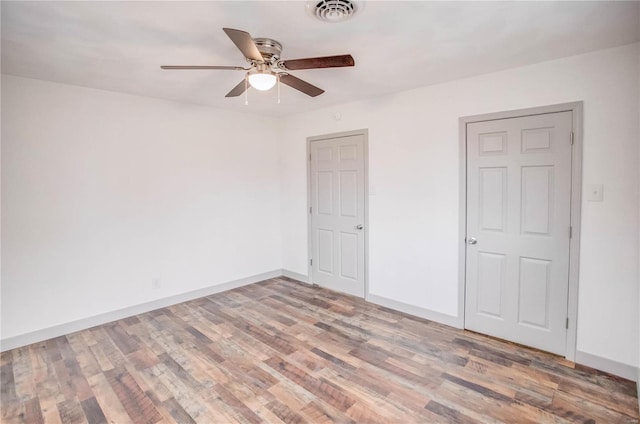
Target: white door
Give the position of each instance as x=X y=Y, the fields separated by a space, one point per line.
x=337 y=213
x=518 y=218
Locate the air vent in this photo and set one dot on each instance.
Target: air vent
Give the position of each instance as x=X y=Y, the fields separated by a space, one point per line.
x=333 y=10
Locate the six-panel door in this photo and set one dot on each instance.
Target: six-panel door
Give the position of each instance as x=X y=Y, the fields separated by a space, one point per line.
x=337 y=213
x=518 y=213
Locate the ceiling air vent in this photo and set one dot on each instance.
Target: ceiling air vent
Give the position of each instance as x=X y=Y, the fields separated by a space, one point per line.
x=332 y=10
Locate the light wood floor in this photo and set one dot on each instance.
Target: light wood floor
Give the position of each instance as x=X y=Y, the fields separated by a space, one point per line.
x=278 y=351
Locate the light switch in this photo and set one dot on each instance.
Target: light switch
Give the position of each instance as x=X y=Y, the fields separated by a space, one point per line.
x=595 y=192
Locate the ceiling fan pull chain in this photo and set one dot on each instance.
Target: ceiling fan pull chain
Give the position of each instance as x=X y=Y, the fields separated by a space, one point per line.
x=246 y=90
x=278 y=88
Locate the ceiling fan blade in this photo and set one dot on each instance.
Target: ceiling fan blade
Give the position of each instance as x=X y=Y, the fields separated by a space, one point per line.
x=238 y=89
x=244 y=42
x=320 y=62
x=230 y=68
x=301 y=85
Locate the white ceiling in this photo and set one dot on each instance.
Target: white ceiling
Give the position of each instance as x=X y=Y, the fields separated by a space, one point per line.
x=120 y=46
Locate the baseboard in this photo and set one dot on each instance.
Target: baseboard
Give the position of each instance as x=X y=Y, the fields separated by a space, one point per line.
x=82 y=324
x=418 y=311
x=608 y=365
x=295 y=276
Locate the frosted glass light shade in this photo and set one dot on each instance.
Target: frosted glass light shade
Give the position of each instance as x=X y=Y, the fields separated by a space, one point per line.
x=262 y=81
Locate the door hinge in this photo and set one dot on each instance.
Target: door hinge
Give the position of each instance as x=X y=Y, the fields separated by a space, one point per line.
x=571 y=138
x=570 y=231
x=310 y=156
x=311 y=262
x=566 y=325
x=310 y=209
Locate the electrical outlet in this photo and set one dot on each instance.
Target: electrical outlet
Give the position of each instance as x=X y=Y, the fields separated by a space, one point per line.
x=155 y=283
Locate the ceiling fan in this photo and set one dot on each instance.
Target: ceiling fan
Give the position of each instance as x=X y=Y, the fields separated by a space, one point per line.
x=266 y=68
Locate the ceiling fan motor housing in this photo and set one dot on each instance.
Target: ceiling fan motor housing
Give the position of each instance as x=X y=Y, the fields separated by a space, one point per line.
x=268 y=47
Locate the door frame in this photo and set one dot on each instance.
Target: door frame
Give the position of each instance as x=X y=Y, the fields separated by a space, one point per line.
x=576 y=205
x=365 y=134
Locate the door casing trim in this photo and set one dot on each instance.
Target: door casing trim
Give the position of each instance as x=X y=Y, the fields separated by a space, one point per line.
x=576 y=204
x=365 y=134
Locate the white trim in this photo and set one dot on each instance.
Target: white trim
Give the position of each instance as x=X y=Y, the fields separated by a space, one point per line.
x=576 y=204
x=462 y=228
x=576 y=222
x=84 y=323
x=417 y=311
x=295 y=276
x=365 y=134
x=607 y=365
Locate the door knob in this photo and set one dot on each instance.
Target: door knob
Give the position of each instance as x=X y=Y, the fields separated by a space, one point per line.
x=359 y=227
x=472 y=240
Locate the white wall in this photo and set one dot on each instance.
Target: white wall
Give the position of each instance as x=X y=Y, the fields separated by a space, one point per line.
x=414 y=173
x=102 y=192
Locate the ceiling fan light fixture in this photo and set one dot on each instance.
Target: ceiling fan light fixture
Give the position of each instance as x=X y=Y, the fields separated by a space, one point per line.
x=262 y=81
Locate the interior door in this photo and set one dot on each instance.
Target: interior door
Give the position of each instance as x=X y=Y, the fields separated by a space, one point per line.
x=337 y=213
x=518 y=229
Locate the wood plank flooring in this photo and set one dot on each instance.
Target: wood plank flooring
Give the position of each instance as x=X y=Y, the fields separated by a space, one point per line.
x=282 y=352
